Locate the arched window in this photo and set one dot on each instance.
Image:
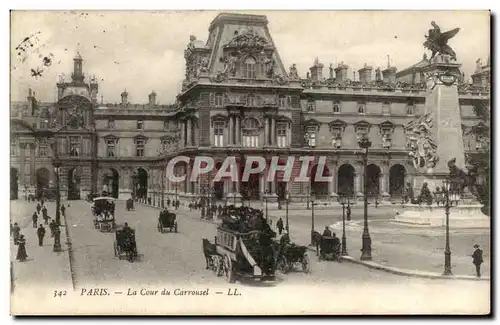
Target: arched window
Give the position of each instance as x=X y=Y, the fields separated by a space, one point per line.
x=249 y=68
x=250 y=132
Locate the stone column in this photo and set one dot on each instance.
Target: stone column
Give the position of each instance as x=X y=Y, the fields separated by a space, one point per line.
x=266 y=131
x=238 y=130
x=22 y=147
x=273 y=131
x=262 y=183
x=188 y=179
x=231 y=127
x=383 y=187
x=32 y=164
x=189 y=130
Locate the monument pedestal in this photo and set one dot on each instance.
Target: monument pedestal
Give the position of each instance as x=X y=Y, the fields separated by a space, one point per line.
x=461 y=216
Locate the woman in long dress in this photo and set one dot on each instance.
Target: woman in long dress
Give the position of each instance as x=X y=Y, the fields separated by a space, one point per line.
x=21 y=249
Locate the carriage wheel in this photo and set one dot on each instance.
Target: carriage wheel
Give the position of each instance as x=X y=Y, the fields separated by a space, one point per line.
x=306 y=266
x=282 y=265
x=228 y=269
x=175 y=227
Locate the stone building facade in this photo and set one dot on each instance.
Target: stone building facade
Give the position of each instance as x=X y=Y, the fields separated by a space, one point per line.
x=238 y=99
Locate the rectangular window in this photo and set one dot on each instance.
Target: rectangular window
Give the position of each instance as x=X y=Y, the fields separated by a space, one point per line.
x=42 y=148
x=310 y=106
x=282 y=102
x=281 y=133
x=219 y=100
x=386 y=139
x=139 y=148
x=111 y=148
x=337 y=138
x=140 y=125
x=410 y=109
x=44 y=124
x=74 y=146
x=166 y=125
x=311 y=136
x=251 y=141
x=249 y=70
x=361 y=108
x=219 y=134
x=336 y=107
x=111 y=124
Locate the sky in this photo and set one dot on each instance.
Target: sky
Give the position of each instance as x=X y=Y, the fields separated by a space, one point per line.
x=141 y=51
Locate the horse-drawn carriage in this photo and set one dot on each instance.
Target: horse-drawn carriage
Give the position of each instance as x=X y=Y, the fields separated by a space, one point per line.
x=167 y=220
x=124 y=244
x=329 y=249
x=290 y=255
x=129 y=204
x=245 y=254
x=103 y=209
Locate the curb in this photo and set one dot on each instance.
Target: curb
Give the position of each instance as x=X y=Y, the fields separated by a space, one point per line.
x=70 y=253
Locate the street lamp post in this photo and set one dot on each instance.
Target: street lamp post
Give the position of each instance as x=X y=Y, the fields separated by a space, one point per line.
x=265 y=197
x=451 y=195
x=312 y=218
x=176 y=196
x=56 y=163
x=343 y=199
x=308 y=195
x=204 y=201
x=287 y=196
x=366 y=250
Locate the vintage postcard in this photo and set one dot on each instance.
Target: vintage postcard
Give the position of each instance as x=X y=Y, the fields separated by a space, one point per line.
x=250 y=163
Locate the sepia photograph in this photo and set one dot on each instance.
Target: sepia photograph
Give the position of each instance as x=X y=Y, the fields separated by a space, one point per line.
x=250 y=162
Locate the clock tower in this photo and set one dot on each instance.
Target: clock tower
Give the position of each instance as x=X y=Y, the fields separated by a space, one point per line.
x=74 y=137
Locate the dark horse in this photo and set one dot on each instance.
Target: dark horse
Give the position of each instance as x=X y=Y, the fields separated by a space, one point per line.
x=316 y=240
x=129 y=247
x=208 y=250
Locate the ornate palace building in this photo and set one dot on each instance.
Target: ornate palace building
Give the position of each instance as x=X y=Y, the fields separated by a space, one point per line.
x=237 y=99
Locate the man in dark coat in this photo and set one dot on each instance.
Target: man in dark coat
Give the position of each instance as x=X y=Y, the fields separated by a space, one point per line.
x=38 y=208
x=63 y=210
x=35 y=219
x=52 y=226
x=41 y=234
x=477 y=259
x=279 y=225
x=327 y=232
x=45 y=216
x=16 y=231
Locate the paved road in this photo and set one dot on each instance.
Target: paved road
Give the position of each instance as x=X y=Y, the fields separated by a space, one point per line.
x=170 y=258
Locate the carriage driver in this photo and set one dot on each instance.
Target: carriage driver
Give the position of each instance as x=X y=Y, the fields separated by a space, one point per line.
x=126 y=229
x=327 y=232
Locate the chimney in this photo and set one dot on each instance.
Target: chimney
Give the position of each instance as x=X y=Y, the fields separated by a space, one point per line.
x=152 y=98
x=317 y=70
x=390 y=75
x=31 y=102
x=365 y=74
x=341 y=72
x=125 y=97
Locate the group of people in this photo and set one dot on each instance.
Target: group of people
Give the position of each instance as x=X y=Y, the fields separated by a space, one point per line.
x=20 y=239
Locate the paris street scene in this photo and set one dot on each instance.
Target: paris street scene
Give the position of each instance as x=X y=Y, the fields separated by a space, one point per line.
x=250 y=163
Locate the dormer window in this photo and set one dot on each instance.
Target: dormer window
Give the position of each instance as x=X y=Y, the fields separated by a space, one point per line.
x=336 y=106
x=410 y=108
x=311 y=107
x=249 y=68
x=361 y=108
x=140 y=125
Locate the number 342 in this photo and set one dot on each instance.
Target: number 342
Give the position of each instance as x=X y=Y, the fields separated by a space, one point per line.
x=59 y=293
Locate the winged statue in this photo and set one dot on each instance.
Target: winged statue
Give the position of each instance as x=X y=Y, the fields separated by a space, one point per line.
x=436 y=41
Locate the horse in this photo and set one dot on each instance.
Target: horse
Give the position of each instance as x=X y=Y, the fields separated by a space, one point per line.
x=208 y=250
x=129 y=248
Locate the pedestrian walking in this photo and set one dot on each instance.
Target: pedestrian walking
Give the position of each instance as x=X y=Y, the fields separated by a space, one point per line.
x=279 y=224
x=44 y=213
x=41 y=234
x=63 y=210
x=477 y=259
x=35 y=219
x=38 y=207
x=52 y=227
x=21 y=249
x=16 y=232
